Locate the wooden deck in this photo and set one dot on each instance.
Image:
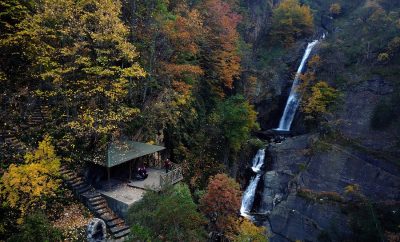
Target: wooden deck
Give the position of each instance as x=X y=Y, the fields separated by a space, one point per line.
x=158 y=179
x=152 y=182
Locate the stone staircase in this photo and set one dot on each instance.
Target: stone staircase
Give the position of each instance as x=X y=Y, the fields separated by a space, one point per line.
x=97 y=204
x=39 y=115
x=11 y=140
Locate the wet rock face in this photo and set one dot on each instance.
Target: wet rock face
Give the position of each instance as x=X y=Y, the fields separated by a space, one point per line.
x=298 y=219
x=297 y=164
x=360 y=103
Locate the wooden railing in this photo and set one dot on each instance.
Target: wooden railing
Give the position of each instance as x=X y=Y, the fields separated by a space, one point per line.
x=172 y=177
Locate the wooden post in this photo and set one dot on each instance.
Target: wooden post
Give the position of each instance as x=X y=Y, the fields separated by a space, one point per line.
x=108 y=177
x=130 y=170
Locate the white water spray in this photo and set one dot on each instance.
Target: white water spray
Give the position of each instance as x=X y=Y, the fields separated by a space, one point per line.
x=294 y=97
x=249 y=193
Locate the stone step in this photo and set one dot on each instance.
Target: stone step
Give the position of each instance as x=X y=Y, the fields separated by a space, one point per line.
x=84 y=189
x=118 y=229
x=77 y=183
x=97 y=202
x=100 y=206
x=91 y=196
x=64 y=170
x=102 y=211
x=95 y=198
x=122 y=233
x=69 y=173
x=115 y=222
x=76 y=179
x=107 y=217
x=70 y=179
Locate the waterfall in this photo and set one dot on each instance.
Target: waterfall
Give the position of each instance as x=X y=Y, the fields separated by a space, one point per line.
x=250 y=192
x=294 y=97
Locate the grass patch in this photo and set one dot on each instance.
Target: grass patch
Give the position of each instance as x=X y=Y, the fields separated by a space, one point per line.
x=320 y=197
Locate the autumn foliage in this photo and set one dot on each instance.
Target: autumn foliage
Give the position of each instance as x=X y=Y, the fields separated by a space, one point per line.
x=291 y=21
x=25 y=186
x=222 y=40
x=221 y=202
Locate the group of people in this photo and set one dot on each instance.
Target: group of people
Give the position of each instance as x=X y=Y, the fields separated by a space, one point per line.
x=142 y=173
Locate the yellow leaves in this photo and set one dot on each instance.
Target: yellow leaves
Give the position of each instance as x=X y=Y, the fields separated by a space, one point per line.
x=25 y=185
x=383 y=57
x=335 y=9
x=250 y=232
x=352 y=188
x=134 y=71
x=322 y=96
x=290 y=21
x=315 y=61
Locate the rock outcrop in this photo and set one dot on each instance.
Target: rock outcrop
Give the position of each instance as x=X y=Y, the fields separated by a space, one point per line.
x=325 y=166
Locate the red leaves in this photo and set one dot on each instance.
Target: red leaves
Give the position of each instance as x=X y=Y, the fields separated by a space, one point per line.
x=221 y=201
x=222 y=22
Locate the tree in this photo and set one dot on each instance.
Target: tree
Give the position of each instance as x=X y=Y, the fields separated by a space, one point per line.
x=81 y=50
x=322 y=97
x=170 y=215
x=26 y=186
x=221 y=203
x=37 y=228
x=291 y=21
x=250 y=232
x=237 y=118
x=221 y=46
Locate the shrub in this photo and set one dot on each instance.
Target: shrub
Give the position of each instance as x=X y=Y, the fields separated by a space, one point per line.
x=37 y=228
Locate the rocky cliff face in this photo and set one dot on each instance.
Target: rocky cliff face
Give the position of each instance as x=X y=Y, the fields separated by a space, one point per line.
x=304 y=192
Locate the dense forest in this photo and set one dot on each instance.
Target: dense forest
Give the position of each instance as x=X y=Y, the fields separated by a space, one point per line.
x=208 y=80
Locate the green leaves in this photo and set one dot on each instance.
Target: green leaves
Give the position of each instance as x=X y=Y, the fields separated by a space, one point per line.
x=291 y=21
x=171 y=216
x=237 y=118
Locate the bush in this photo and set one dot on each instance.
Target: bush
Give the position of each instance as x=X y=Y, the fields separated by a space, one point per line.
x=171 y=215
x=37 y=228
x=291 y=21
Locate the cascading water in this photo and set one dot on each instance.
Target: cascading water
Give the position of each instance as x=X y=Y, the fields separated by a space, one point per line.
x=249 y=193
x=294 y=97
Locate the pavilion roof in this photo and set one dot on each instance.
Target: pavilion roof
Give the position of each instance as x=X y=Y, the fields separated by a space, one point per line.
x=123 y=151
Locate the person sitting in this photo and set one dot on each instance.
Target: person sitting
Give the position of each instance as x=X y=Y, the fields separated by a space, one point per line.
x=142 y=173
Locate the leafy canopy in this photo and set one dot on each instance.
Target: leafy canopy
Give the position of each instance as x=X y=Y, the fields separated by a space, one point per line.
x=171 y=216
x=322 y=97
x=25 y=186
x=237 y=118
x=291 y=21
x=220 y=204
x=250 y=232
x=37 y=228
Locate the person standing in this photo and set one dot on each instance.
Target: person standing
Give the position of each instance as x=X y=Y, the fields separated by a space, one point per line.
x=167 y=165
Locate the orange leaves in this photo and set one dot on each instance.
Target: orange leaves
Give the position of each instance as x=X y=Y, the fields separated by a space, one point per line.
x=223 y=38
x=221 y=201
x=181 y=87
x=179 y=70
x=183 y=32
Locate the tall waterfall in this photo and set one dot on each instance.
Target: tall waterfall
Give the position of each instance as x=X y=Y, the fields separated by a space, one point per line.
x=294 y=97
x=250 y=192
